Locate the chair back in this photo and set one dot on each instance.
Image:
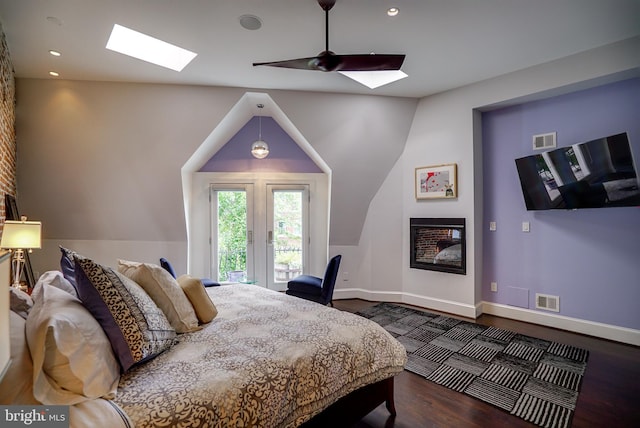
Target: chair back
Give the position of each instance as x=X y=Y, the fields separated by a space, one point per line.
x=330 y=277
x=167 y=266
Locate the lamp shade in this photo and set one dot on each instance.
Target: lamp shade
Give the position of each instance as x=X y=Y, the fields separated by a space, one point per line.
x=21 y=234
x=260 y=149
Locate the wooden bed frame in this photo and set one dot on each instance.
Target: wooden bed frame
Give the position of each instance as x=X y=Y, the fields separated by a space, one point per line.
x=354 y=406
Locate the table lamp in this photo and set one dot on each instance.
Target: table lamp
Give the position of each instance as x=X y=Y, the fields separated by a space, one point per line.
x=18 y=236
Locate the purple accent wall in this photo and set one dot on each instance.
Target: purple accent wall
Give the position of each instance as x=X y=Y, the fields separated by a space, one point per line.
x=284 y=154
x=588 y=257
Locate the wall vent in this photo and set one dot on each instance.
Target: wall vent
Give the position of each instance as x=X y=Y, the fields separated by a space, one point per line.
x=544 y=141
x=550 y=303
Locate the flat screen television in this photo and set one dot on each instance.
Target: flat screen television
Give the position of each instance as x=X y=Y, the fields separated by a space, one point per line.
x=594 y=174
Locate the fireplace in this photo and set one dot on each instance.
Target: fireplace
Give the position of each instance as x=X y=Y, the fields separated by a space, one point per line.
x=438 y=244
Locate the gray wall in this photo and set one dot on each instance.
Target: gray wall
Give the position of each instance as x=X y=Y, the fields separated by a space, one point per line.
x=99 y=163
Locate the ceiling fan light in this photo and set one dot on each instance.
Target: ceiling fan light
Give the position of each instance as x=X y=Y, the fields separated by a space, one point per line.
x=260 y=149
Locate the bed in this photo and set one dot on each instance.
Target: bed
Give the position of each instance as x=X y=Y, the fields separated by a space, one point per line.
x=266 y=359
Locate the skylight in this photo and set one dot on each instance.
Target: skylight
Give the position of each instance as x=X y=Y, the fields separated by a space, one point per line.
x=132 y=43
x=375 y=79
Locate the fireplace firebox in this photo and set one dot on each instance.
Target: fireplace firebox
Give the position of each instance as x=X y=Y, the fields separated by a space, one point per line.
x=438 y=244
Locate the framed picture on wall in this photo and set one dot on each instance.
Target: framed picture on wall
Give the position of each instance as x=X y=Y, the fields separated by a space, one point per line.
x=436 y=182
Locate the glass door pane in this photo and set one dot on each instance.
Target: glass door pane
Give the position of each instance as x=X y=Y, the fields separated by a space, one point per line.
x=286 y=233
x=232 y=235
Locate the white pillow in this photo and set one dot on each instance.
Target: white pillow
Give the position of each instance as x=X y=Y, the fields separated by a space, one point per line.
x=72 y=356
x=20 y=302
x=56 y=279
x=165 y=292
x=98 y=413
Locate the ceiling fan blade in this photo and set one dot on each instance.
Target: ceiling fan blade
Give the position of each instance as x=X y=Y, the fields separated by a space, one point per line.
x=370 y=62
x=325 y=61
x=299 y=63
x=329 y=61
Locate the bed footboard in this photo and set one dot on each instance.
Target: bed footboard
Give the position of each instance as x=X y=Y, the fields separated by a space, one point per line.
x=356 y=405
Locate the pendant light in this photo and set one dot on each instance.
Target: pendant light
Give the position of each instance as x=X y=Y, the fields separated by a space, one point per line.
x=260 y=149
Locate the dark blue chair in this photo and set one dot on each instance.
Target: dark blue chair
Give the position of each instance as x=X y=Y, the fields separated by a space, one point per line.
x=167 y=266
x=316 y=289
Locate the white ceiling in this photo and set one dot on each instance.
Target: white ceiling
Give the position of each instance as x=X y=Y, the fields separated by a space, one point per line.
x=448 y=43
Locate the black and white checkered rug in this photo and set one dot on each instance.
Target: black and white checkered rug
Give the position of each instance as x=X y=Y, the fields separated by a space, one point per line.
x=534 y=379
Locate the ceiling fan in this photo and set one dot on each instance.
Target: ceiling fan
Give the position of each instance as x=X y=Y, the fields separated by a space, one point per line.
x=329 y=61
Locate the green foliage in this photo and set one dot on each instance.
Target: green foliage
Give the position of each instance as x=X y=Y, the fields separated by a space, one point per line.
x=288 y=227
x=232 y=232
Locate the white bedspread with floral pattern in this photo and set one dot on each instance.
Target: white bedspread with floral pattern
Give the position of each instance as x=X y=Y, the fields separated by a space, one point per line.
x=267 y=360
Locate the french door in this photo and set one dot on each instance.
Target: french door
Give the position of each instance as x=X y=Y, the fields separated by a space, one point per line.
x=232 y=232
x=259 y=234
x=287 y=233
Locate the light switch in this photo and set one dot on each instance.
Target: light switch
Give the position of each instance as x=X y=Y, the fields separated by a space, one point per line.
x=492 y=226
x=525 y=226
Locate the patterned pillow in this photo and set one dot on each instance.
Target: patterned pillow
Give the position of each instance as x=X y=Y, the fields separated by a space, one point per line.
x=165 y=292
x=137 y=329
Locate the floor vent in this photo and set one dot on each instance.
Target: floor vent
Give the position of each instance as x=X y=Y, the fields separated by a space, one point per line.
x=544 y=141
x=550 y=303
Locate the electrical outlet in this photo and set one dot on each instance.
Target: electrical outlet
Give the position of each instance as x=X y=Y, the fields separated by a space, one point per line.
x=492 y=226
x=345 y=276
x=494 y=286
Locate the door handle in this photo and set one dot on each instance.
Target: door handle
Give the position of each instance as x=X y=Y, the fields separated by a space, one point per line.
x=270 y=237
x=250 y=237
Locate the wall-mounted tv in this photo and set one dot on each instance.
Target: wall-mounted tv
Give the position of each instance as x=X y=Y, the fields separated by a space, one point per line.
x=594 y=174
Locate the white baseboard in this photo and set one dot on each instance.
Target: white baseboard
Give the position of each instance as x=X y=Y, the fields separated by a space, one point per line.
x=441 y=305
x=591 y=328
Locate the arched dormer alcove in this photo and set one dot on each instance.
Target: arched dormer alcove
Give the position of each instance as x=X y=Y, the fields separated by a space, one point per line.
x=285 y=156
x=196 y=177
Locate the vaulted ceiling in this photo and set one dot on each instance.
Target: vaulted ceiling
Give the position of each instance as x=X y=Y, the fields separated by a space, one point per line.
x=447 y=43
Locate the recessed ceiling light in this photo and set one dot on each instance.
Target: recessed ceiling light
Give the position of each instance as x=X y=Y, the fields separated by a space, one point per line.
x=54 y=73
x=375 y=79
x=54 y=20
x=55 y=53
x=138 y=45
x=393 y=11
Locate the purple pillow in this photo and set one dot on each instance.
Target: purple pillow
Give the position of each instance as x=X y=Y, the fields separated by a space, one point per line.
x=67 y=265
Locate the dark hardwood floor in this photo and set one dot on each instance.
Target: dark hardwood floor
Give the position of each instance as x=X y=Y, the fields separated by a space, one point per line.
x=609 y=397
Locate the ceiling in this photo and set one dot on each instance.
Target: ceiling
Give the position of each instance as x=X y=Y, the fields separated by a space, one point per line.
x=448 y=43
